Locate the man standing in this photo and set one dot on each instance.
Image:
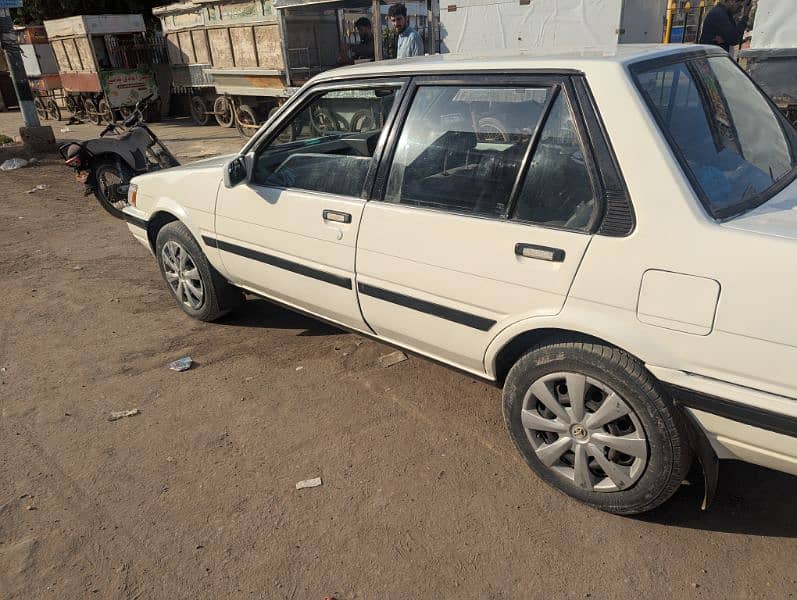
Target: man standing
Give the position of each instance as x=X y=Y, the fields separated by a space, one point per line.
x=409 y=41
x=363 y=50
x=721 y=28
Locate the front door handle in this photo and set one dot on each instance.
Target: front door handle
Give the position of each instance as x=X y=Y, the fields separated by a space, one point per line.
x=336 y=216
x=540 y=252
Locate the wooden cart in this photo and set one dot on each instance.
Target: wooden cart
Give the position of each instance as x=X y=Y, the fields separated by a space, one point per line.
x=41 y=69
x=104 y=63
x=238 y=61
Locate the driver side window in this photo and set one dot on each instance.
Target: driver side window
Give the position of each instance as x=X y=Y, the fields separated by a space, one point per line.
x=328 y=145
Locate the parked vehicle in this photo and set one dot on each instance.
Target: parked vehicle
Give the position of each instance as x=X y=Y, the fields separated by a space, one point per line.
x=609 y=237
x=105 y=64
x=42 y=71
x=238 y=62
x=771 y=58
x=479 y=25
x=108 y=163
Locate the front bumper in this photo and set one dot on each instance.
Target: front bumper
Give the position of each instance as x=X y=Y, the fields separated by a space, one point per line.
x=137 y=222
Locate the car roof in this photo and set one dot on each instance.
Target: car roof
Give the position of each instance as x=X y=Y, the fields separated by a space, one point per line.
x=517 y=60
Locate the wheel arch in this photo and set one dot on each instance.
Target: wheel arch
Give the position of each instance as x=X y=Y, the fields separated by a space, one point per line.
x=156 y=222
x=514 y=348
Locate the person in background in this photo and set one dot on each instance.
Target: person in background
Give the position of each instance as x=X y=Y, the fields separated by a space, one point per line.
x=365 y=49
x=409 y=41
x=720 y=27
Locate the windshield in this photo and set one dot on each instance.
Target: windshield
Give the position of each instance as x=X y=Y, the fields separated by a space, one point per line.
x=736 y=148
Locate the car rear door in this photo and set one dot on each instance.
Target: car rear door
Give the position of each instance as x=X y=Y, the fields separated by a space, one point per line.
x=481 y=216
x=289 y=233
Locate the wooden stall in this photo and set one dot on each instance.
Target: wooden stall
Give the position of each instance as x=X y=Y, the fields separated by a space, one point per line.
x=104 y=63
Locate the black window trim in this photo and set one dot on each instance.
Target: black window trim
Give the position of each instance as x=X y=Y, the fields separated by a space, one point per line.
x=560 y=81
x=728 y=213
x=264 y=140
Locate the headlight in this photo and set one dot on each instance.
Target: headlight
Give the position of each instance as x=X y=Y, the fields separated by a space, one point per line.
x=131 y=194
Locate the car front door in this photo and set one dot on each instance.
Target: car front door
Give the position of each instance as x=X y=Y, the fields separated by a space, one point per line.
x=481 y=217
x=289 y=232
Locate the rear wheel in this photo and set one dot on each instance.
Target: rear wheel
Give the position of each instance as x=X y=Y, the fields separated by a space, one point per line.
x=200 y=291
x=223 y=110
x=110 y=175
x=593 y=423
x=199 y=110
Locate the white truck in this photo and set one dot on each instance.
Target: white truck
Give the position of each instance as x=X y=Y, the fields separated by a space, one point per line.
x=771 y=59
x=476 y=25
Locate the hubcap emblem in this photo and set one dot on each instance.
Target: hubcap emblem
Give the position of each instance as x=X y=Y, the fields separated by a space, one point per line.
x=579 y=432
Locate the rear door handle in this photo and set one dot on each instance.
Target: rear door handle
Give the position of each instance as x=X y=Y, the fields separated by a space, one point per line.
x=540 y=252
x=336 y=216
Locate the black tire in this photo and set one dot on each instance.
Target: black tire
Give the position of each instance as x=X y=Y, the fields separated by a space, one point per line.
x=199 y=110
x=668 y=453
x=105 y=172
x=219 y=296
x=53 y=110
x=223 y=109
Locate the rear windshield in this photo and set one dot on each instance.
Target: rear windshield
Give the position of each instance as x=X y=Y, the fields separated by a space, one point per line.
x=735 y=146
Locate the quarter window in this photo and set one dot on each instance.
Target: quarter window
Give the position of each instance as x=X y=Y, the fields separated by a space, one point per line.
x=461 y=147
x=557 y=191
x=328 y=145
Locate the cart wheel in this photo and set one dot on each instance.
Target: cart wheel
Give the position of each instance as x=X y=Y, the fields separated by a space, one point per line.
x=53 y=110
x=246 y=121
x=90 y=109
x=199 y=110
x=325 y=121
x=72 y=105
x=223 y=109
x=40 y=109
x=363 y=120
x=106 y=114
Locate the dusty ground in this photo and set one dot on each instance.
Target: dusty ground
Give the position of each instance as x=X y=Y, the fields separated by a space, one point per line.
x=423 y=494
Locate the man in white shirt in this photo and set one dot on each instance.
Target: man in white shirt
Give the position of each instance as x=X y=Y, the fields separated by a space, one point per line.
x=409 y=41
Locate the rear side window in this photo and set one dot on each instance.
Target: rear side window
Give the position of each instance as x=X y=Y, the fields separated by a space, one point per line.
x=557 y=191
x=462 y=147
x=734 y=145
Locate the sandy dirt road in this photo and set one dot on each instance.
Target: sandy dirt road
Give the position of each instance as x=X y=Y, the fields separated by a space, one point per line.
x=423 y=495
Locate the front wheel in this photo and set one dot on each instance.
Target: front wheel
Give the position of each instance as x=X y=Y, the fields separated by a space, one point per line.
x=593 y=423
x=200 y=291
x=111 y=178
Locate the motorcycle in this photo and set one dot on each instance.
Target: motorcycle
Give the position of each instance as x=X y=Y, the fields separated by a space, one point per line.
x=107 y=164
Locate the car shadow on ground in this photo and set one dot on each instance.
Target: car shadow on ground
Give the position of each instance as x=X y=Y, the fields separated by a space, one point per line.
x=750 y=500
x=257 y=312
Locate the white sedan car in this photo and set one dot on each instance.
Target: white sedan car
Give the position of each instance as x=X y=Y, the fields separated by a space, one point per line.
x=610 y=237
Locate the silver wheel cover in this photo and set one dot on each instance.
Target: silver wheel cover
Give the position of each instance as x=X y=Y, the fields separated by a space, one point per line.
x=182 y=275
x=585 y=432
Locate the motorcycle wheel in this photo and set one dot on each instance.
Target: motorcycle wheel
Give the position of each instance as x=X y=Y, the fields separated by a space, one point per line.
x=107 y=173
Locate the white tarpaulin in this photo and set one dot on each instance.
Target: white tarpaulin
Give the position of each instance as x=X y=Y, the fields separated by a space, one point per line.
x=473 y=25
x=775 y=24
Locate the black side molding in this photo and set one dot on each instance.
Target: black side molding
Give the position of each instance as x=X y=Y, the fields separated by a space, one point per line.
x=135 y=221
x=280 y=263
x=742 y=413
x=430 y=308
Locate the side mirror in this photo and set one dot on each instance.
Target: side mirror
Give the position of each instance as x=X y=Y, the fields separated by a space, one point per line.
x=235 y=172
